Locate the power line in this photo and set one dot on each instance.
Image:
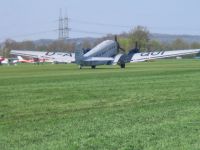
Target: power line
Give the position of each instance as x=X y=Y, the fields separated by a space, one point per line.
x=63 y=28
x=33 y=33
x=98 y=23
x=56 y=30
x=87 y=32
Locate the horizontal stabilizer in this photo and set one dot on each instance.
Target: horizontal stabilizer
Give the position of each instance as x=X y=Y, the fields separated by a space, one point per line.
x=99 y=59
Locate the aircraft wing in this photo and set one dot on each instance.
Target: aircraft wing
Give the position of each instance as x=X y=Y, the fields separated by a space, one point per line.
x=60 y=57
x=33 y=54
x=99 y=59
x=139 y=57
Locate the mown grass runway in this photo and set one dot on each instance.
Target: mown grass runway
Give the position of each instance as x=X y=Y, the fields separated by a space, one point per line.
x=149 y=106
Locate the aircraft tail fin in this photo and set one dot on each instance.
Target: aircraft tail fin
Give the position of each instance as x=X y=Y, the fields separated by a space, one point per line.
x=20 y=57
x=78 y=53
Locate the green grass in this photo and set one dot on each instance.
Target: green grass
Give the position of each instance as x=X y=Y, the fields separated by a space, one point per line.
x=149 y=106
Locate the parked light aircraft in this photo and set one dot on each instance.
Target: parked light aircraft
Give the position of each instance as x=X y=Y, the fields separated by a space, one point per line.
x=108 y=52
x=7 y=61
x=3 y=60
x=34 y=60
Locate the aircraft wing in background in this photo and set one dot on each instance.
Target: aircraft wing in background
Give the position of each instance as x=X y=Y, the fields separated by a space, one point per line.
x=139 y=57
x=32 y=54
x=60 y=57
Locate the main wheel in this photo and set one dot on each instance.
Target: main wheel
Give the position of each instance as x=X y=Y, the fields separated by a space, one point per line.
x=93 y=67
x=123 y=66
x=80 y=67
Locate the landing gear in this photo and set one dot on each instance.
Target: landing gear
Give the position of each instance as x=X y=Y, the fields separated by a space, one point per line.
x=80 y=67
x=93 y=67
x=122 y=66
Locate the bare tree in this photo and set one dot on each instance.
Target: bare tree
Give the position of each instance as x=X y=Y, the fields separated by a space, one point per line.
x=180 y=44
x=139 y=34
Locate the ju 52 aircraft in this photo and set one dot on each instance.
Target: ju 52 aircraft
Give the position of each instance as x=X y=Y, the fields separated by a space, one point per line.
x=108 y=52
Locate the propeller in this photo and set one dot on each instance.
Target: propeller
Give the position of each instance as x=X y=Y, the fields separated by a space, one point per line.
x=118 y=45
x=137 y=48
x=136 y=45
x=134 y=50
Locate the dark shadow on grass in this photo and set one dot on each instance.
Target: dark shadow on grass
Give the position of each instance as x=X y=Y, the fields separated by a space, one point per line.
x=101 y=68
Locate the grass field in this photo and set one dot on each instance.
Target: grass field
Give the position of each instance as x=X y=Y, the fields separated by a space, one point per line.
x=148 y=106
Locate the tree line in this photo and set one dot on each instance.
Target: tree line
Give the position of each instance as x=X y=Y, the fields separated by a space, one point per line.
x=139 y=34
x=142 y=35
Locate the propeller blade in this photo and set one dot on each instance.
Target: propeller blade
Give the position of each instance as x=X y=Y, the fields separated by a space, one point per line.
x=118 y=45
x=122 y=49
x=116 y=38
x=136 y=45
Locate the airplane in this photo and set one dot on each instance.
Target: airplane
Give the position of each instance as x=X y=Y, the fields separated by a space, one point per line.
x=7 y=61
x=108 y=53
x=34 y=60
x=19 y=59
x=22 y=60
x=54 y=57
x=3 y=60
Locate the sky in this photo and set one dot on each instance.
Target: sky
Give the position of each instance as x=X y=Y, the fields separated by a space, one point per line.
x=38 y=19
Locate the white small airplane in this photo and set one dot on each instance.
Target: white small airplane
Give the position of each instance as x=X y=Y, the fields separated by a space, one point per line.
x=3 y=60
x=108 y=53
x=33 y=60
x=54 y=57
x=7 y=61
